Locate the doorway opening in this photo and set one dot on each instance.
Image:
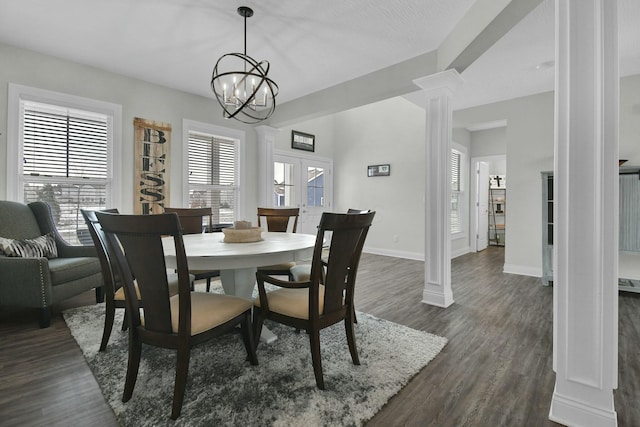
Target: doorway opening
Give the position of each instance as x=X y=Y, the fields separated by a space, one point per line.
x=488 y=216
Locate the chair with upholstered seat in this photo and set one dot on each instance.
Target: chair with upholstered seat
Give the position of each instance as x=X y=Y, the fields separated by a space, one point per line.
x=193 y=222
x=280 y=220
x=302 y=272
x=318 y=303
x=176 y=322
x=38 y=279
x=113 y=291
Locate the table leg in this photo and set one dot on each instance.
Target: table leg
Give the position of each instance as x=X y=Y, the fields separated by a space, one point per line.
x=241 y=282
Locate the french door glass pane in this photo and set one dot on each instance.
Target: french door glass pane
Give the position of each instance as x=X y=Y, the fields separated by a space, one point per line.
x=315 y=187
x=283 y=187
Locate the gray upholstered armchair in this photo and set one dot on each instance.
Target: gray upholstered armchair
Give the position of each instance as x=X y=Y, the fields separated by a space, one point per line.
x=40 y=282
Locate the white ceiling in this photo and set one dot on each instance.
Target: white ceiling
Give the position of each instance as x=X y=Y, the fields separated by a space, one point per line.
x=310 y=44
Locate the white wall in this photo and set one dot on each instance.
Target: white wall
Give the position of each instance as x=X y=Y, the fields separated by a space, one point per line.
x=529 y=137
x=390 y=132
x=138 y=99
x=321 y=128
x=529 y=149
x=489 y=142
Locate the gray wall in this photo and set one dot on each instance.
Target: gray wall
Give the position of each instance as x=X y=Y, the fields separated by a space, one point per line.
x=390 y=131
x=489 y=142
x=529 y=136
x=321 y=128
x=138 y=99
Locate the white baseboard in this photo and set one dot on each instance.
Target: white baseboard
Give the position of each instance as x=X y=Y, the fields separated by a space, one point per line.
x=393 y=253
x=437 y=299
x=523 y=270
x=411 y=255
x=568 y=411
x=460 y=252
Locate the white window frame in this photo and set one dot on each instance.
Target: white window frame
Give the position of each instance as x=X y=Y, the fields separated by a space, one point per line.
x=17 y=94
x=463 y=212
x=237 y=135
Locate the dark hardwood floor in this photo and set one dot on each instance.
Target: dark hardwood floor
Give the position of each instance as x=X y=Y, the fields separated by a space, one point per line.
x=495 y=370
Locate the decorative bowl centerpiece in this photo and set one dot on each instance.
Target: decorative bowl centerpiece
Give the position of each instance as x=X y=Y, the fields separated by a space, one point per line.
x=242 y=232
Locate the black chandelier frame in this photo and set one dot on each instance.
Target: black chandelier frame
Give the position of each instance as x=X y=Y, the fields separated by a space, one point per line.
x=248 y=109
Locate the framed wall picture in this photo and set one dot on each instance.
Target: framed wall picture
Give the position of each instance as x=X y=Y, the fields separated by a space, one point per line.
x=379 y=170
x=303 y=141
x=151 y=164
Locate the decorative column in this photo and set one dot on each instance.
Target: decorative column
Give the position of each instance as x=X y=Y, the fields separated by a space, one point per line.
x=266 y=142
x=585 y=350
x=439 y=89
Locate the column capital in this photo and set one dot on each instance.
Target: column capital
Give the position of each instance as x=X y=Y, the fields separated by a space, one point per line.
x=434 y=84
x=266 y=133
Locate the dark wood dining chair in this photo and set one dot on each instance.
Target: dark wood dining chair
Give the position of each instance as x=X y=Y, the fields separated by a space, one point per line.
x=358 y=211
x=312 y=305
x=279 y=220
x=113 y=291
x=302 y=272
x=176 y=322
x=195 y=221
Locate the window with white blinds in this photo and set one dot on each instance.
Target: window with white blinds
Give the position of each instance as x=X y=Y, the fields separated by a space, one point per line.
x=213 y=174
x=456 y=192
x=65 y=162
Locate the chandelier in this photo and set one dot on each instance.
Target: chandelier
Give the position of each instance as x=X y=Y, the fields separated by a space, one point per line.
x=241 y=85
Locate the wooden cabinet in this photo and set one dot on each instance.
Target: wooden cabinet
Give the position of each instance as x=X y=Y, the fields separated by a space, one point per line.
x=629 y=256
x=497 y=216
x=547 y=228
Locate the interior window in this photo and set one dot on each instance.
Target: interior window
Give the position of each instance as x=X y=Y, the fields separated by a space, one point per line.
x=456 y=192
x=64 y=159
x=213 y=174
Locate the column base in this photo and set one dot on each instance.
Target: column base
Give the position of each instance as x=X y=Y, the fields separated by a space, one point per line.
x=438 y=299
x=567 y=411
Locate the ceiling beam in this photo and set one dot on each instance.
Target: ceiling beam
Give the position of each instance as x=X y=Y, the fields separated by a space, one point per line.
x=486 y=22
x=389 y=82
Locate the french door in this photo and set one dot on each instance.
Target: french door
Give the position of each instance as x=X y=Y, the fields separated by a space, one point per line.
x=304 y=183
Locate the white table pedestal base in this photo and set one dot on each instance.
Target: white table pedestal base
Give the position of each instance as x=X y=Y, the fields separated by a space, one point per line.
x=241 y=282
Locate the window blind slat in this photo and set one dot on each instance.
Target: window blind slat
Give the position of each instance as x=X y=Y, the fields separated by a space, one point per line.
x=212 y=175
x=56 y=143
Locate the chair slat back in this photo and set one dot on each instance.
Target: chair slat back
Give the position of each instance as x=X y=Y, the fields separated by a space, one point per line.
x=192 y=219
x=102 y=248
x=348 y=234
x=278 y=219
x=136 y=242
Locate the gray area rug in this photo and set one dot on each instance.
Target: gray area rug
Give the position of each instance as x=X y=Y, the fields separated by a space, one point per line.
x=225 y=390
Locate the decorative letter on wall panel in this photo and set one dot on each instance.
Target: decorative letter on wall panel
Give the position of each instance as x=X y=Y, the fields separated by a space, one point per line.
x=152 y=142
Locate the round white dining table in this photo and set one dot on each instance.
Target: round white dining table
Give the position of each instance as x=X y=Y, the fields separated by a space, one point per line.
x=238 y=262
